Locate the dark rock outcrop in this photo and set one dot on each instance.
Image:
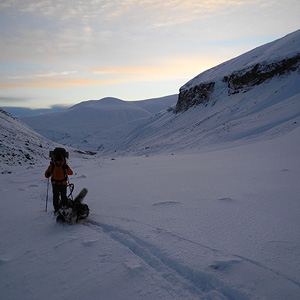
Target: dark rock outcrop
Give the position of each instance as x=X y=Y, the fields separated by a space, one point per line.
x=199 y=94
x=243 y=80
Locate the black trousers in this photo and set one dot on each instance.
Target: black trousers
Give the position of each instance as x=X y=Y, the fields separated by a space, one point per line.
x=59 y=194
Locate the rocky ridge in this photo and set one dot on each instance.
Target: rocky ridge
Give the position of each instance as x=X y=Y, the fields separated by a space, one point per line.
x=238 y=81
x=239 y=75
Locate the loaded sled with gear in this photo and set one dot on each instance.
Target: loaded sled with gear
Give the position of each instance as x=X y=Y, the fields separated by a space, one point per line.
x=72 y=211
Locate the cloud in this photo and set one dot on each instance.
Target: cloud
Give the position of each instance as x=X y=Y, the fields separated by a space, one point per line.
x=5 y=100
x=10 y=100
x=50 y=45
x=161 y=13
x=100 y=77
x=156 y=10
x=57 y=83
x=57 y=31
x=157 y=69
x=55 y=74
x=162 y=67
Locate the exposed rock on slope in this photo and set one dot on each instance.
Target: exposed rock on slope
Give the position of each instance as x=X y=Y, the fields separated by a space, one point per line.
x=19 y=144
x=199 y=94
x=243 y=80
x=250 y=69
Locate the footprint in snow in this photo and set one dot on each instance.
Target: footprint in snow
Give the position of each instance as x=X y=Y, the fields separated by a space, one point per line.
x=166 y=203
x=133 y=266
x=226 y=200
x=90 y=243
x=33 y=186
x=225 y=264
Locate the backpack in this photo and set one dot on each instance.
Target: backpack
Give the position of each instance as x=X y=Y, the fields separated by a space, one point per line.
x=59 y=152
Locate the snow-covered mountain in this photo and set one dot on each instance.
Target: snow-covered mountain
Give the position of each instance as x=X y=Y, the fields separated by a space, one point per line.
x=253 y=96
x=19 y=144
x=95 y=124
x=239 y=75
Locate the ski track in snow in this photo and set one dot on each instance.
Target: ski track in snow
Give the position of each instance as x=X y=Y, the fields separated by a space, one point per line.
x=195 y=282
x=251 y=261
x=239 y=258
x=182 y=277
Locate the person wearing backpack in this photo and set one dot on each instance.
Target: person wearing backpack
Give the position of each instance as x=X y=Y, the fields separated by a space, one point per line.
x=58 y=170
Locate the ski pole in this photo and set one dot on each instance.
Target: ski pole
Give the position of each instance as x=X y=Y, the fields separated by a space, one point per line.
x=47 y=194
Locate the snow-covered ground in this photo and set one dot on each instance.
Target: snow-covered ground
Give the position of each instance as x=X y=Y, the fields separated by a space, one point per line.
x=215 y=225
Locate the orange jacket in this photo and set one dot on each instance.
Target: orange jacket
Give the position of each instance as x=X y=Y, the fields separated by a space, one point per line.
x=58 y=172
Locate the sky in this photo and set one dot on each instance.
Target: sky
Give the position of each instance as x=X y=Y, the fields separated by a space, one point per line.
x=62 y=52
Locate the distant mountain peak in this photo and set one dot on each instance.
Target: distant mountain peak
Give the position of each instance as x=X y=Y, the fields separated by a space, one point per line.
x=111 y=100
x=95 y=124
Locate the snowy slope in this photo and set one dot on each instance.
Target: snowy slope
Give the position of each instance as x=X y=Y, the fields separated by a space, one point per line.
x=156 y=105
x=277 y=50
x=95 y=124
x=271 y=107
x=19 y=144
x=220 y=225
